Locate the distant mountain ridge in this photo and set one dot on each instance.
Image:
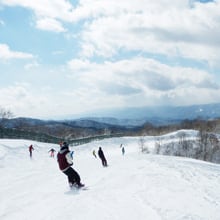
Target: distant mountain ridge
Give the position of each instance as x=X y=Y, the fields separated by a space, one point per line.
x=157 y=115
x=128 y=117
x=166 y=112
x=126 y=121
x=137 y=121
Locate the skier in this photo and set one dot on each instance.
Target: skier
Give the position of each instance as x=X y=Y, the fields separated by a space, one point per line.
x=123 y=150
x=31 y=149
x=94 y=154
x=102 y=157
x=51 y=152
x=71 y=154
x=65 y=162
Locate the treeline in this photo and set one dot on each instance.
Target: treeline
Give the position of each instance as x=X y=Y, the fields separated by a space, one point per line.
x=20 y=134
x=205 y=145
x=56 y=134
x=196 y=124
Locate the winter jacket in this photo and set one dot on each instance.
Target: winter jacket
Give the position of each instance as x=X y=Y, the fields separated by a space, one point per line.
x=101 y=154
x=31 y=148
x=64 y=159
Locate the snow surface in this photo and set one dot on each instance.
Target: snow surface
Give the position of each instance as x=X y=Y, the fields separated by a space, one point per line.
x=135 y=186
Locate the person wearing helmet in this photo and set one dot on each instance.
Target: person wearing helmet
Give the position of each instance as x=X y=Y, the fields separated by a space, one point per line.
x=65 y=162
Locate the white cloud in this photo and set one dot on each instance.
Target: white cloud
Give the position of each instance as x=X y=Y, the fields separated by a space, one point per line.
x=184 y=28
x=12 y=96
x=147 y=71
x=90 y=86
x=23 y=100
x=44 y=8
x=143 y=81
x=50 y=25
x=119 y=30
x=31 y=65
x=6 y=53
x=158 y=28
x=189 y=96
x=48 y=13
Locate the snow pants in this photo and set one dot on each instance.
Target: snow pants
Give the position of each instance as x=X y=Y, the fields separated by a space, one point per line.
x=104 y=161
x=73 y=176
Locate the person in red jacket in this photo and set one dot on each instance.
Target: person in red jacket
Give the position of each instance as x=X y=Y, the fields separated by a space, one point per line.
x=51 y=151
x=65 y=162
x=31 y=149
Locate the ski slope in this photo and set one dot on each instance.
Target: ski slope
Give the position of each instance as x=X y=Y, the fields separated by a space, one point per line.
x=134 y=186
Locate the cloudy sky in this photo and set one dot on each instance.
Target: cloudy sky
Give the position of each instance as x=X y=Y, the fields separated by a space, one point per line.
x=61 y=57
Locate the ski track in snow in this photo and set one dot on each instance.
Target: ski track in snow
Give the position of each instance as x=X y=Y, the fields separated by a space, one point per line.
x=134 y=186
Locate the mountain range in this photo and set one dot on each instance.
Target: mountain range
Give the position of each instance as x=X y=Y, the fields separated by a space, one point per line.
x=123 y=122
x=156 y=115
x=128 y=117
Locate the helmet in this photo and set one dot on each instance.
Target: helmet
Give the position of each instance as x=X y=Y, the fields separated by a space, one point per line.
x=65 y=144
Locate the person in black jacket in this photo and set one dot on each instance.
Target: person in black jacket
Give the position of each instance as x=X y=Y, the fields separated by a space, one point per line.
x=65 y=162
x=102 y=157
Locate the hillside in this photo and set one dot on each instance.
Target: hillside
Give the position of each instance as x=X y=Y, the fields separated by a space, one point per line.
x=88 y=129
x=56 y=130
x=134 y=186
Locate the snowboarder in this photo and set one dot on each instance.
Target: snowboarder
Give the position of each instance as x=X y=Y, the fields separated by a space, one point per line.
x=51 y=151
x=65 y=162
x=94 y=154
x=31 y=149
x=102 y=157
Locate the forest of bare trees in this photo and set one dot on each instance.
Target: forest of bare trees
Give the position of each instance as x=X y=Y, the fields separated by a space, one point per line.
x=204 y=145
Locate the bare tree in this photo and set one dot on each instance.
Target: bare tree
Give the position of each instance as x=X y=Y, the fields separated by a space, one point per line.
x=158 y=144
x=4 y=115
x=141 y=143
x=183 y=143
x=203 y=140
x=215 y=146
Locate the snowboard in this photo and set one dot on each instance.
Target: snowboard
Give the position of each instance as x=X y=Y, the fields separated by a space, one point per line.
x=75 y=187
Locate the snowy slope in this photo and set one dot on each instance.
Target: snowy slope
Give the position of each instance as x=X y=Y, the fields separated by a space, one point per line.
x=134 y=186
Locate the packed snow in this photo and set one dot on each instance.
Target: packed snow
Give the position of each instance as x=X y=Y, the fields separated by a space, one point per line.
x=134 y=185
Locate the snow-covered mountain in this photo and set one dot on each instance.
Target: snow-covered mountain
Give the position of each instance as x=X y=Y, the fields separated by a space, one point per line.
x=118 y=119
x=157 y=115
x=134 y=186
x=164 y=112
